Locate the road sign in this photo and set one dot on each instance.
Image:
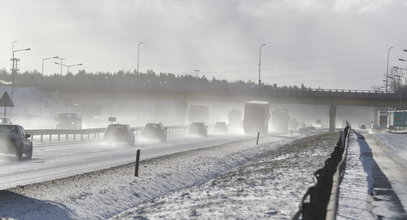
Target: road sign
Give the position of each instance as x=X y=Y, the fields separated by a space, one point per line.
x=5 y=102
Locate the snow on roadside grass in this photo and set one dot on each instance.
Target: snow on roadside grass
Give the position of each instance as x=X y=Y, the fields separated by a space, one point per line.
x=271 y=187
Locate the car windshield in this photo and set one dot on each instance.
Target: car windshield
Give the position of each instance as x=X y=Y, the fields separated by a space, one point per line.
x=152 y=126
x=117 y=128
x=8 y=129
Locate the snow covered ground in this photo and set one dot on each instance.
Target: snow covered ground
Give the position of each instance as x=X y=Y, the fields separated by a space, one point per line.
x=269 y=188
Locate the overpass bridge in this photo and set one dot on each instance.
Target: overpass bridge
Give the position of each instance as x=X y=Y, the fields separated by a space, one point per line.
x=330 y=97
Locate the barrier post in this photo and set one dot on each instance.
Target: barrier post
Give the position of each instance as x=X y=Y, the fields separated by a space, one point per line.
x=137 y=163
x=258 y=135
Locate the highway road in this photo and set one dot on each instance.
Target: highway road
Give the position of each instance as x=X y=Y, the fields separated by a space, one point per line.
x=53 y=161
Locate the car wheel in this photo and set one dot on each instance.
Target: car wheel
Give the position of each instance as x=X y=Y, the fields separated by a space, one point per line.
x=29 y=153
x=19 y=152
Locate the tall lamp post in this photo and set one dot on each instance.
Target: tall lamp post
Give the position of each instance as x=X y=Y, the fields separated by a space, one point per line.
x=387 y=68
x=401 y=76
x=60 y=61
x=14 y=65
x=42 y=78
x=262 y=45
x=138 y=56
x=196 y=72
x=68 y=66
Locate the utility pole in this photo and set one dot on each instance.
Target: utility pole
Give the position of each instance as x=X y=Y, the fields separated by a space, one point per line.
x=138 y=56
x=260 y=62
x=387 y=69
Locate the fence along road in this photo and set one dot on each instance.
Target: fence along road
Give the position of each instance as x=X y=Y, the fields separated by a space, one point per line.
x=85 y=134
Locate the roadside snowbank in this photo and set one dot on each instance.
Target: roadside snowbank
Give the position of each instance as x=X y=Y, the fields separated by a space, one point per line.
x=270 y=188
x=356 y=186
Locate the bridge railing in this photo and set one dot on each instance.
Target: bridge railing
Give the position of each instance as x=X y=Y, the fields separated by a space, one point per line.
x=321 y=200
x=50 y=135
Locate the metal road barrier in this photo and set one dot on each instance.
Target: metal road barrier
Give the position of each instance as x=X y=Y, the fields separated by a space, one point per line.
x=65 y=133
x=320 y=202
x=86 y=134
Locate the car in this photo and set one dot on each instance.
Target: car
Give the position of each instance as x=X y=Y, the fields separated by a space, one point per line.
x=13 y=139
x=5 y=121
x=220 y=128
x=156 y=131
x=375 y=129
x=68 y=121
x=362 y=127
x=198 y=129
x=119 y=133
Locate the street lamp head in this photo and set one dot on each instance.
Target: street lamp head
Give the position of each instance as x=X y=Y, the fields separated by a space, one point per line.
x=262 y=45
x=140 y=43
x=56 y=57
x=27 y=49
x=80 y=64
x=57 y=63
x=402 y=59
x=405 y=50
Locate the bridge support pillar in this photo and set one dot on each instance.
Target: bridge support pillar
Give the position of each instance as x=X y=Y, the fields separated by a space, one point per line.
x=332 y=116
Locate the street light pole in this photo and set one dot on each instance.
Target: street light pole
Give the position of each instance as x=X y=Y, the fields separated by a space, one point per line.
x=196 y=72
x=387 y=69
x=61 y=60
x=68 y=66
x=138 y=56
x=42 y=79
x=14 y=67
x=260 y=61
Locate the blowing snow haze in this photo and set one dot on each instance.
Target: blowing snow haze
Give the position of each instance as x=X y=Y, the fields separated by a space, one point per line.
x=328 y=44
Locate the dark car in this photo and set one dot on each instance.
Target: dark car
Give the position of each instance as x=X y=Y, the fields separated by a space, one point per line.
x=68 y=121
x=13 y=139
x=220 y=128
x=198 y=129
x=119 y=133
x=155 y=131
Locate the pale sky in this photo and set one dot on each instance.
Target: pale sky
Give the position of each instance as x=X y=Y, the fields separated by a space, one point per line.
x=321 y=43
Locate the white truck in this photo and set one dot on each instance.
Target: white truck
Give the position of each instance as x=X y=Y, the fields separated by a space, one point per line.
x=256 y=117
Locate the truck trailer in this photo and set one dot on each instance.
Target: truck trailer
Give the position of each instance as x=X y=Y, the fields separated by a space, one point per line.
x=256 y=117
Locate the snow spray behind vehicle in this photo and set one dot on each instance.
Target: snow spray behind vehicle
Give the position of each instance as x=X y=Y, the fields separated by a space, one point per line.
x=280 y=119
x=256 y=117
x=199 y=113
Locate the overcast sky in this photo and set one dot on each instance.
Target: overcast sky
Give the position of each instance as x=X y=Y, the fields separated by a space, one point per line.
x=321 y=43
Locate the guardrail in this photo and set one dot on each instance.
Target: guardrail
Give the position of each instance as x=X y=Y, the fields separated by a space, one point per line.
x=95 y=132
x=321 y=200
x=87 y=134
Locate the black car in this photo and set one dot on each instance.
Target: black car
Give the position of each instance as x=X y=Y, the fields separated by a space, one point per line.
x=220 y=128
x=13 y=139
x=155 y=131
x=119 y=133
x=198 y=129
